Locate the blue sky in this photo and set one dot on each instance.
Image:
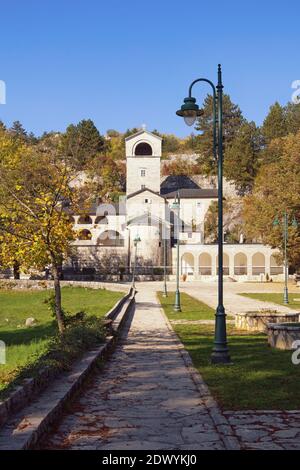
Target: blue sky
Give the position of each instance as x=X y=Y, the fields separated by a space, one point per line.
x=124 y=63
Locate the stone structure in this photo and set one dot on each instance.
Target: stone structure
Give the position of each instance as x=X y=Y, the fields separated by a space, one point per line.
x=283 y=335
x=258 y=321
x=106 y=234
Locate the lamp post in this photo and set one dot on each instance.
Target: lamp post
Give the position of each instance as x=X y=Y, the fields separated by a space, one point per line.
x=165 y=290
x=190 y=111
x=285 y=224
x=176 y=207
x=135 y=242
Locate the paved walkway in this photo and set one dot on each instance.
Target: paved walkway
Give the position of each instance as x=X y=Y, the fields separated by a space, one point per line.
x=145 y=398
x=233 y=302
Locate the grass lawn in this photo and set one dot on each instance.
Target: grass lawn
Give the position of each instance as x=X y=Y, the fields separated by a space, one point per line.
x=276 y=298
x=25 y=345
x=259 y=378
x=192 y=309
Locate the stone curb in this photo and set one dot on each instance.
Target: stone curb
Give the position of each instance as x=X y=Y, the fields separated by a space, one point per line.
x=224 y=429
x=23 y=431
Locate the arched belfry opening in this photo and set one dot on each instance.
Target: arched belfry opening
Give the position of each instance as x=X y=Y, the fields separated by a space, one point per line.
x=143 y=148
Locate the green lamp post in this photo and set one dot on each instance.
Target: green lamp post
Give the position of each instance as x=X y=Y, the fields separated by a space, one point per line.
x=285 y=225
x=176 y=208
x=136 y=240
x=190 y=111
x=165 y=290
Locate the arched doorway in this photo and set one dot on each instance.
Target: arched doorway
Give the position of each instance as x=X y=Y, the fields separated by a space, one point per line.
x=258 y=264
x=240 y=264
x=205 y=262
x=187 y=263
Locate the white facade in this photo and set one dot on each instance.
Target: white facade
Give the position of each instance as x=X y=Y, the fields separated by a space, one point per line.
x=106 y=235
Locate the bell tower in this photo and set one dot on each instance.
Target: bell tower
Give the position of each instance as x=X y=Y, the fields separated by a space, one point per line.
x=143 y=153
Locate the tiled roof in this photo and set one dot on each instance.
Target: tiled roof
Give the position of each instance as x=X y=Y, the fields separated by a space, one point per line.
x=193 y=193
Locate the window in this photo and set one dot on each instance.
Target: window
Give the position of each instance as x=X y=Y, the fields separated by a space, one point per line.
x=143 y=149
x=143 y=186
x=146 y=201
x=143 y=172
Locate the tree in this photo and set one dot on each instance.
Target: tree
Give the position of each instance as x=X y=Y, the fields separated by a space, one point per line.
x=274 y=125
x=232 y=222
x=82 y=142
x=35 y=201
x=17 y=130
x=292 y=111
x=277 y=187
x=232 y=121
x=242 y=157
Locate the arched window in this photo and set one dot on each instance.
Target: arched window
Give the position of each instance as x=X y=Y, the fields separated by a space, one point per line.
x=84 y=220
x=205 y=264
x=110 y=238
x=240 y=264
x=275 y=267
x=225 y=264
x=84 y=235
x=258 y=264
x=101 y=219
x=143 y=149
x=187 y=264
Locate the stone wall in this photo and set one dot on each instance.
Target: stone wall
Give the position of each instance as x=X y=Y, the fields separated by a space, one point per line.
x=282 y=336
x=258 y=321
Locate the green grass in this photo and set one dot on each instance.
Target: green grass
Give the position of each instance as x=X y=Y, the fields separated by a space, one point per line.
x=276 y=298
x=259 y=378
x=192 y=309
x=24 y=346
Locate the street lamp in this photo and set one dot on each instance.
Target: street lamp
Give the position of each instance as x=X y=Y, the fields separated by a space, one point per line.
x=135 y=242
x=176 y=207
x=190 y=111
x=285 y=224
x=165 y=290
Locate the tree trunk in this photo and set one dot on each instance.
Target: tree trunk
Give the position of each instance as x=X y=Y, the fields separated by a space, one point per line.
x=16 y=269
x=57 y=291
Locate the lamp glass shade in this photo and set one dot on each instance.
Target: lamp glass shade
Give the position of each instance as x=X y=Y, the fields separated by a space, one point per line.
x=189 y=110
x=294 y=223
x=276 y=222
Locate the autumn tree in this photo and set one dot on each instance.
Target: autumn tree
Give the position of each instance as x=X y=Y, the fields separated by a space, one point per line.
x=277 y=188
x=35 y=201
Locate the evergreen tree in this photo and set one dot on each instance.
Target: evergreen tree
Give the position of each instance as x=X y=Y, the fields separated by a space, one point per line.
x=18 y=131
x=2 y=126
x=82 y=142
x=293 y=117
x=275 y=124
x=232 y=121
x=242 y=157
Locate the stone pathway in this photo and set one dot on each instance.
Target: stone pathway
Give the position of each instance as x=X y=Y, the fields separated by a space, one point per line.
x=266 y=430
x=234 y=303
x=145 y=398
